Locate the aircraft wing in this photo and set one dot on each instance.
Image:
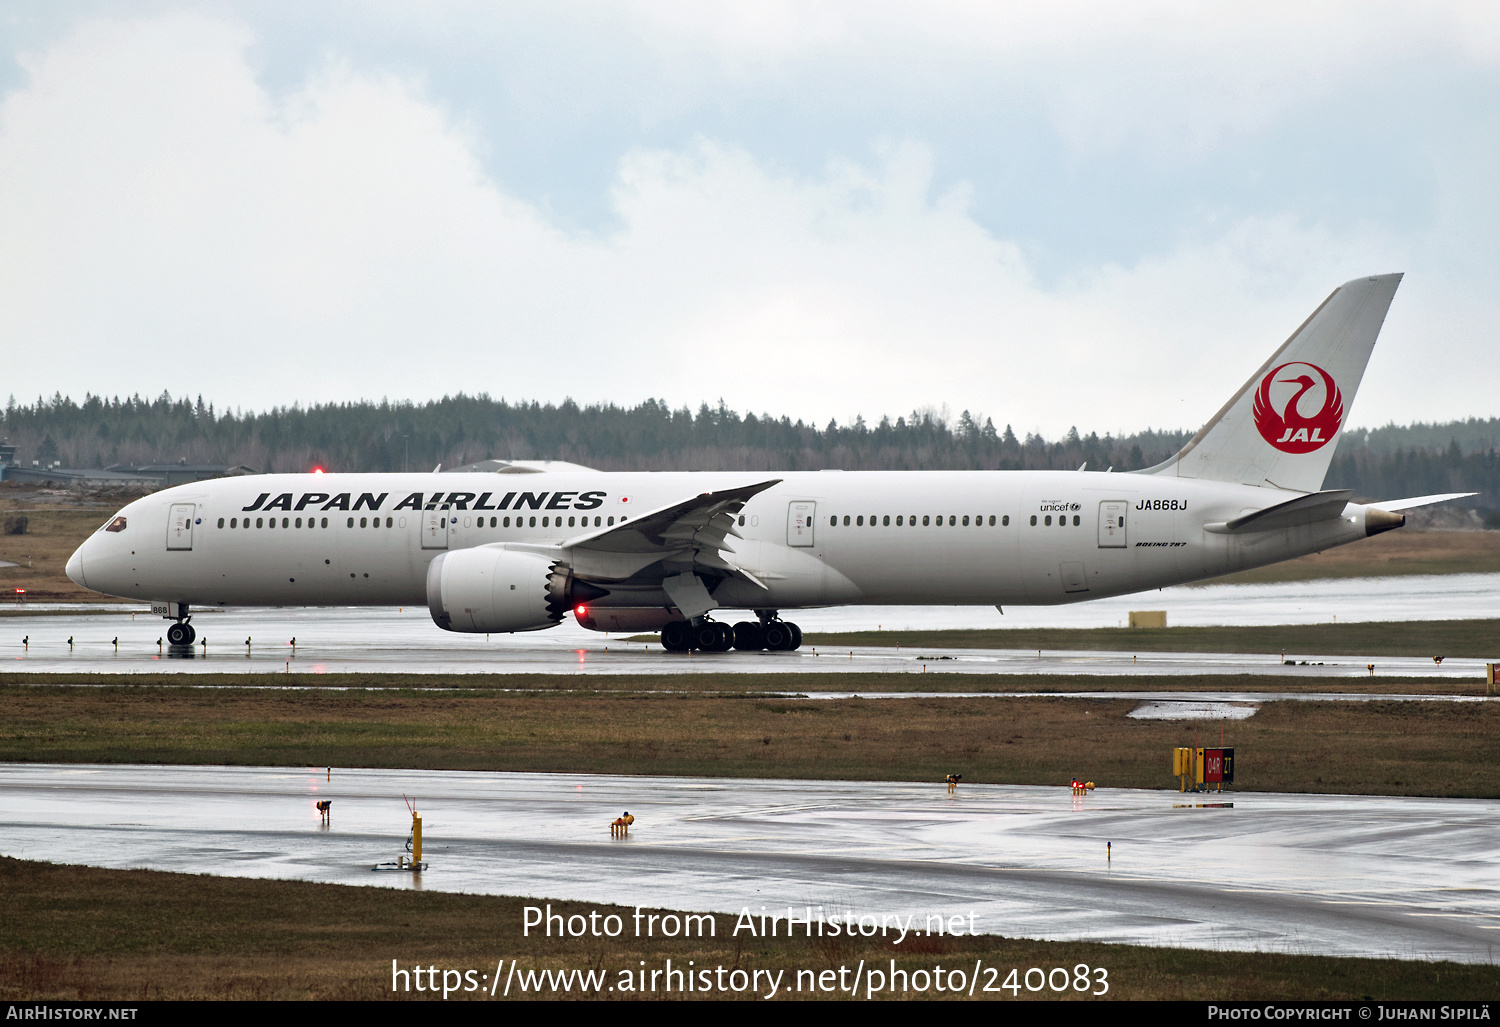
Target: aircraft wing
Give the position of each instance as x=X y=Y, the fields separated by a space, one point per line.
x=689 y=534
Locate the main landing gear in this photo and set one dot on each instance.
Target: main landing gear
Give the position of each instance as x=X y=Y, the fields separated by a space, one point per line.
x=770 y=632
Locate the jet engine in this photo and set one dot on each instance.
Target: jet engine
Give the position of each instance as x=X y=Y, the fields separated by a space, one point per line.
x=497 y=589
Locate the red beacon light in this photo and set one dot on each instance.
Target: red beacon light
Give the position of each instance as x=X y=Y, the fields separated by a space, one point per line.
x=317 y=470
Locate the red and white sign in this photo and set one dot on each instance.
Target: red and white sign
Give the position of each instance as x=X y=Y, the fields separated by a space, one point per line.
x=1298 y=407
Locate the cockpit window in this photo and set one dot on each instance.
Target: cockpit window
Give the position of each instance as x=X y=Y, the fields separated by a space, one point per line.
x=118 y=524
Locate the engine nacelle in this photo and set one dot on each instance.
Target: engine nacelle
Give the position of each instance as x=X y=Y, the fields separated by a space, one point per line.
x=625 y=618
x=495 y=590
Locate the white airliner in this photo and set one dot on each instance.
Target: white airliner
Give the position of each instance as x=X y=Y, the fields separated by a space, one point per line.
x=505 y=552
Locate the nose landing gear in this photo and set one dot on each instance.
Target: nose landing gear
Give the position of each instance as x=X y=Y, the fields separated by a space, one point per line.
x=181 y=633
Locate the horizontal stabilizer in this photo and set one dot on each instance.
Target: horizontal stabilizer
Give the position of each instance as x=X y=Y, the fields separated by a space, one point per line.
x=1392 y=505
x=1315 y=506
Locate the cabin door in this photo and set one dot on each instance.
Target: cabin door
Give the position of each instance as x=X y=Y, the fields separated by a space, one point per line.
x=1112 y=524
x=180 y=526
x=435 y=529
x=799 y=523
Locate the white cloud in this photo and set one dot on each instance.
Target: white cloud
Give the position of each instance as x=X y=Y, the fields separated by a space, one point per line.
x=166 y=224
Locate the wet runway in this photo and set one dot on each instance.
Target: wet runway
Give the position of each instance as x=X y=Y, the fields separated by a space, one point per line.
x=1411 y=878
x=353 y=640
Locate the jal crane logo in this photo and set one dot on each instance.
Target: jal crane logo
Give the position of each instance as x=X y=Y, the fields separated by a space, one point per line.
x=1282 y=417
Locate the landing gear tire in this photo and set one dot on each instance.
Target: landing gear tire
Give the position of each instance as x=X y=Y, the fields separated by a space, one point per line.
x=713 y=637
x=676 y=637
x=181 y=634
x=796 y=636
x=776 y=636
x=749 y=636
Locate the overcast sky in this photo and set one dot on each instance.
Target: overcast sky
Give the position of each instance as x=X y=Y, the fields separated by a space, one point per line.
x=1098 y=214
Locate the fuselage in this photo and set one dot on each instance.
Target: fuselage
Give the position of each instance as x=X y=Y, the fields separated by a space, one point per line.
x=814 y=539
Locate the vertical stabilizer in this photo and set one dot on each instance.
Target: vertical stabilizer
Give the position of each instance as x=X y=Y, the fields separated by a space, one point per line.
x=1281 y=428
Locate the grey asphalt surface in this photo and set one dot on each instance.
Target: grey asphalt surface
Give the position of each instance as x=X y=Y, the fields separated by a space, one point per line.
x=1404 y=877
x=354 y=640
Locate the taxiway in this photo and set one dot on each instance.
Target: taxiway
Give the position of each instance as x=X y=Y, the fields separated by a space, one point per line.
x=1348 y=875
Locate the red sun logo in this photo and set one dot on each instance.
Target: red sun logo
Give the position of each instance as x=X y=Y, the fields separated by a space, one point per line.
x=1291 y=430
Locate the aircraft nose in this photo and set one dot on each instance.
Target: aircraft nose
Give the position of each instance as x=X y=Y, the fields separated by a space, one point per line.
x=75 y=568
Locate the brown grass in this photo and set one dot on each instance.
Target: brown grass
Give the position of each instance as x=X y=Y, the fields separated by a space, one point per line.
x=1391 y=553
x=79 y=933
x=1369 y=747
x=42 y=553
x=1471 y=638
x=708 y=684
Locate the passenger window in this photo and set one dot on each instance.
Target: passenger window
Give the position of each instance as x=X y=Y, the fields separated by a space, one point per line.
x=952 y=520
x=611 y=523
x=505 y=523
x=885 y=521
x=570 y=522
x=259 y=522
x=1033 y=520
x=363 y=522
x=299 y=522
x=924 y=520
x=966 y=520
x=872 y=520
x=742 y=520
x=1076 y=521
x=992 y=520
x=325 y=522
x=533 y=522
x=1062 y=520
x=598 y=521
x=846 y=520
x=1048 y=521
x=221 y=522
x=912 y=520
x=1004 y=521
x=546 y=525
x=351 y=522
x=859 y=521
x=898 y=520
x=389 y=522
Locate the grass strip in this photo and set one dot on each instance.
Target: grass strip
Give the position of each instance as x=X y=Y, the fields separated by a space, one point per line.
x=707 y=683
x=1471 y=638
x=1365 y=747
x=82 y=933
